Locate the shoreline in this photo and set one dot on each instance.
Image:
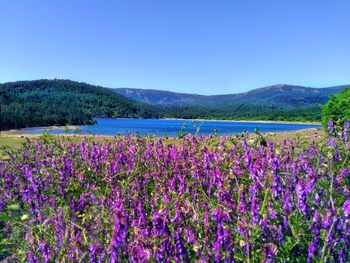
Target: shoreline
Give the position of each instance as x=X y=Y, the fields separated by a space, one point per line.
x=305 y=135
x=18 y=131
x=252 y=121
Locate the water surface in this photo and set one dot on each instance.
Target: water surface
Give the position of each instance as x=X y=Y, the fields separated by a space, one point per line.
x=171 y=128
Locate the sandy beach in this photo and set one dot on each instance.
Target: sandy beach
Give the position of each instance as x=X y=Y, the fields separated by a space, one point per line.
x=20 y=132
x=252 y=121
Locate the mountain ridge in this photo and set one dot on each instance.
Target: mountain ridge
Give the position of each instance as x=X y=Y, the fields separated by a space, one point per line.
x=277 y=95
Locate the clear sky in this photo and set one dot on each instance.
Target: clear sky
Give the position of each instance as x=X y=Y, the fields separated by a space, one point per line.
x=206 y=47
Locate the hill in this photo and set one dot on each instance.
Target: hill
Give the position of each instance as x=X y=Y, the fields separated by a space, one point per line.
x=280 y=96
x=161 y=97
x=60 y=102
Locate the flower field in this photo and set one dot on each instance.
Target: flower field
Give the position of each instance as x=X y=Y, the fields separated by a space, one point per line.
x=203 y=199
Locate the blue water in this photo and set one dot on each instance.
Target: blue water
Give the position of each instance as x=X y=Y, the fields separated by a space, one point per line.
x=171 y=127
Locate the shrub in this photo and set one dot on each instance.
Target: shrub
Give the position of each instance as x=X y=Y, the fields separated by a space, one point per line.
x=337 y=109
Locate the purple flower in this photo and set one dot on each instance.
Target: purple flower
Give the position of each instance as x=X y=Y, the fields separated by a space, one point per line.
x=336 y=155
x=342 y=174
x=180 y=248
x=346 y=131
x=163 y=250
x=242 y=204
x=331 y=129
x=255 y=208
x=312 y=249
x=93 y=252
x=346 y=208
x=120 y=231
x=302 y=202
x=327 y=219
x=331 y=142
x=270 y=251
x=45 y=251
x=287 y=204
x=32 y=258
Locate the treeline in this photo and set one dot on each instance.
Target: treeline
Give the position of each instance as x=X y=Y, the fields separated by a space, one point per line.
x=61 y=102
x=247 y=112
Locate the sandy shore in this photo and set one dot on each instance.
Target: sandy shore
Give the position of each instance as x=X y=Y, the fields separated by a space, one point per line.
x=308 y=133
x=253 y=121
x=21 y=132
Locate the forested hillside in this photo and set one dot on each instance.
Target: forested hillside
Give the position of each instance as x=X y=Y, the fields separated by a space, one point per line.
x=246 y=112
x=61 y=102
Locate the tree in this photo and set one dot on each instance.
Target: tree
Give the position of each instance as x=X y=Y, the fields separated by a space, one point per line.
x=337 y=109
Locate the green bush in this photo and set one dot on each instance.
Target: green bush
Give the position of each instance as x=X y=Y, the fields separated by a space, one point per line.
x=337 y=109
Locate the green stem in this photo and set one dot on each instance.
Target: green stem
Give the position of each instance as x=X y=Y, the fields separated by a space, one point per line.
x=331 y=191
x=325 y=243
x=264 y=202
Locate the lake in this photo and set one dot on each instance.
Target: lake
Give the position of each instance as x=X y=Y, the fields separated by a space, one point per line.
x=165 y=127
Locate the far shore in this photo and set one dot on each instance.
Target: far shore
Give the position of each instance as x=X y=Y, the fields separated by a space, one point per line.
x=254 y=121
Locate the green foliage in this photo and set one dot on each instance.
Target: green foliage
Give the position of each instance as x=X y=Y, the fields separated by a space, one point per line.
x=337 y=109
x=246 y=112
x=62 y=102
x=181 y=133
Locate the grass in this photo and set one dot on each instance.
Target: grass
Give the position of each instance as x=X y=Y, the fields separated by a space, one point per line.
x=13 y=141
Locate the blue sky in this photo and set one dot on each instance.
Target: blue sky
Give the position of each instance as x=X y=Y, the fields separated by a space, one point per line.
x=206 y=47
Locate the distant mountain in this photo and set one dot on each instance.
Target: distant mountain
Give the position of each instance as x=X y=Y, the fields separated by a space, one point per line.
x=59 y=102
x=280 y=96
x=160 y=97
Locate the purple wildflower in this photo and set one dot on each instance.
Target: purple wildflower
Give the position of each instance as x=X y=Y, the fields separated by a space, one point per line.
x=180 y=248
x=302 y=203
x=312 y=249
x=331 y=129
x=45 y=251
x=346 y=208
x=32 y=258
x=345 y=133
